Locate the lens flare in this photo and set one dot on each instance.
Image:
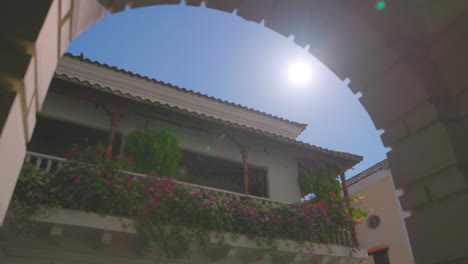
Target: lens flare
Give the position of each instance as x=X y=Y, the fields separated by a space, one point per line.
x=380 y=5
x=182 y=171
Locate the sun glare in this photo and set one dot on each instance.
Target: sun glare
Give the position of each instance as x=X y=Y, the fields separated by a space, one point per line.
x=299 y=73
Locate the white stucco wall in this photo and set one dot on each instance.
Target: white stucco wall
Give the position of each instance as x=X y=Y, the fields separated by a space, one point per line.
x=281 y=166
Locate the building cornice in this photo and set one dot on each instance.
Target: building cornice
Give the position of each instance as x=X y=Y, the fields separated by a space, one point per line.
x=156 y=92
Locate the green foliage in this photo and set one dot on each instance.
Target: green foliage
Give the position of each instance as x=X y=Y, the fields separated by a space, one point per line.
x=172 y=214
x=34 y=189
x=153 y=151
x=91 y=180
x=358 y=213
x=321 y=182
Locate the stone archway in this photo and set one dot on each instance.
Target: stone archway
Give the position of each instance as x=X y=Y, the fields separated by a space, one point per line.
x=406 y=60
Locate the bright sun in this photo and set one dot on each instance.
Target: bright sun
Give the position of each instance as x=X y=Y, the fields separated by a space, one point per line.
x=299 y=73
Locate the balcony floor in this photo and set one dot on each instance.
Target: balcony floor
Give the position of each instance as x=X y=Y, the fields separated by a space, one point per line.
x=72 y=237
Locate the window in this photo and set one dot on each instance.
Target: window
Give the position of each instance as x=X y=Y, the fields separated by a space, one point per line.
x=54 y=137
x=381 y=257
x=221 y=174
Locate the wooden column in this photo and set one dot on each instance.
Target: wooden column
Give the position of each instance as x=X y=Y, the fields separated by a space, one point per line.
x=116 y=113
x=344 y=186
x=245 y=152
x=244 y=143
x=348 y=204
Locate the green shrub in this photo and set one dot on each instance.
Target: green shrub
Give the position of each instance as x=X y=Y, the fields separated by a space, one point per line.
x=34 y=189
x=172 y=214
x=153 y=151
x=321 y=183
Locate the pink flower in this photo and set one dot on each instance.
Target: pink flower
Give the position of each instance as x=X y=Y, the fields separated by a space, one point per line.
x=77 y=181
x=32 y=201
x=151 y=201
x=60 y=194
x=178 y=218
x=129 y=178
x=66 y=155
x=107 y=181
x=259 y=258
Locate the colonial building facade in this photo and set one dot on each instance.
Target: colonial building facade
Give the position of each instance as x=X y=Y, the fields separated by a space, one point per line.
x=226 y=149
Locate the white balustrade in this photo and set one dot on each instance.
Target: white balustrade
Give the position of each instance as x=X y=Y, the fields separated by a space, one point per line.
x=52 y=163
x=43 y=161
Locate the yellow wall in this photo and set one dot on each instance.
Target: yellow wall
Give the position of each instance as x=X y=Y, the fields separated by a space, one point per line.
x=381 y=198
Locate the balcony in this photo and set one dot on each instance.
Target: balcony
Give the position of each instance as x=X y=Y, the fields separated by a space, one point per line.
x=223 y=226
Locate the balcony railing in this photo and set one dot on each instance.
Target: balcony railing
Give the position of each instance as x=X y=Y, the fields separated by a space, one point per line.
x=52 y=163
x=340 y=236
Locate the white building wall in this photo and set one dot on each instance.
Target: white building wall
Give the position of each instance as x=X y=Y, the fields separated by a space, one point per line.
x=281 y=166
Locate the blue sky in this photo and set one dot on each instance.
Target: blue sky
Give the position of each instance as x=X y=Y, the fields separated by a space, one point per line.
x=222 y=55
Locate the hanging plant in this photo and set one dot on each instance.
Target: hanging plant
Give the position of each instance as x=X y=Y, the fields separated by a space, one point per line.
x=176 y=215
x=320 y=182
x=153 y=150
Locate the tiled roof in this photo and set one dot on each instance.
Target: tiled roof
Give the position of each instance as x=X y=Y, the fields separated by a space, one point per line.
x=383 y=165
x=354 y=159
x=81 y=58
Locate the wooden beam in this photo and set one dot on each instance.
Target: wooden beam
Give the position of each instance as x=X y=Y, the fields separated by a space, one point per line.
x=344 y=186
x=116 y=113
x=245 y=153
x=306 y=157
x=244 y=143
x=181 y=118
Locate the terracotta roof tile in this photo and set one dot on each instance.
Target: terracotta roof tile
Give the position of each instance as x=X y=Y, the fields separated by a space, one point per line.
x=81 y=58
x=347 y=156
x=383 y=165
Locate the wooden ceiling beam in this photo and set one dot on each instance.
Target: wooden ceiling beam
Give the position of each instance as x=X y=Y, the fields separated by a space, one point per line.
x=185 y=119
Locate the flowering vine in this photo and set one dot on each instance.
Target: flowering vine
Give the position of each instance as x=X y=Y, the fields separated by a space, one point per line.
x=174 y=214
